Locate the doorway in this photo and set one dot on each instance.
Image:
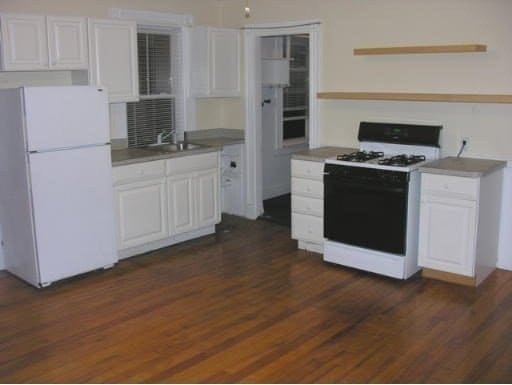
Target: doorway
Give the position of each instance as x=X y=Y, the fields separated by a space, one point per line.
x=285 y=118
x=282 y=73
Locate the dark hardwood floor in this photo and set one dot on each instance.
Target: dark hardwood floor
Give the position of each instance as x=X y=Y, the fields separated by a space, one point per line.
x=246 y=306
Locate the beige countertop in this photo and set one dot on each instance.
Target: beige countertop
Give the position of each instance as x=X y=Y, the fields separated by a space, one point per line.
x=126 y=156
x=212 y=140
x=322 y=153
x=465 y=167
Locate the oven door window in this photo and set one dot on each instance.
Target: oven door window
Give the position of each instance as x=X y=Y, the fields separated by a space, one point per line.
x=368 y=215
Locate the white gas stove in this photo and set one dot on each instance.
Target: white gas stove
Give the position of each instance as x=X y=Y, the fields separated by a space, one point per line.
x=388 y=156
x=372 y=198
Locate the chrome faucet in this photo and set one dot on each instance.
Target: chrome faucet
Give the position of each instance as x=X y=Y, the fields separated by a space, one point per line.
x=165 y=135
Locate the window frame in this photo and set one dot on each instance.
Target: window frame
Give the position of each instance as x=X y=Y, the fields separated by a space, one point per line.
x=176 y=34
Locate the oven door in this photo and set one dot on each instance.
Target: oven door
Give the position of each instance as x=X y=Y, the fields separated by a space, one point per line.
x=368 y=214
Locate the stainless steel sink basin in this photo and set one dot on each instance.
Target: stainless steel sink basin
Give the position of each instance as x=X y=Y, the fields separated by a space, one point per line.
x=174 y=147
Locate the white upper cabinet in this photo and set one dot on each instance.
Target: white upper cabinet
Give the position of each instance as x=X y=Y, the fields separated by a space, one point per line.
x=67 y=42
x=24 y=42
x=113 y=58
x=32 y=43
x=215 y=62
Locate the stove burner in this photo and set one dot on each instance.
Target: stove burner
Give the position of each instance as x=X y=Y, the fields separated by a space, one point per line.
x=360 y=156
x=402 y=160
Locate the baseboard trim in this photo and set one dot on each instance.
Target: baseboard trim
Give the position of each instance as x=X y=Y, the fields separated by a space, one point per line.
x=147 y=247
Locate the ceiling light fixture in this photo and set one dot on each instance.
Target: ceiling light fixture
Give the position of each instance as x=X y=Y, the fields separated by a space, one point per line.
x=247 y=9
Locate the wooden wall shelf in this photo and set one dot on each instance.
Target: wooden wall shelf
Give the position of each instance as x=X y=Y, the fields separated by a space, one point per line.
x=417 y=97
x=420 y=49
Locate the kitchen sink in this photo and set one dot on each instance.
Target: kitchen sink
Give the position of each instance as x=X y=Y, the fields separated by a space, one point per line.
x=174 y=147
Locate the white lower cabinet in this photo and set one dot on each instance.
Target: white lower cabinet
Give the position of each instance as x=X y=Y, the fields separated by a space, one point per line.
x=193 y=192
x=308 y=204
x=165 y=199
x=180 y=190
x=459 y=226
x=447 y=241
x=208 y=198
x=142 y=212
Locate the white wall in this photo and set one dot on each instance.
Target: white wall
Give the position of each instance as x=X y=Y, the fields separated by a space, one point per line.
x=348 y=24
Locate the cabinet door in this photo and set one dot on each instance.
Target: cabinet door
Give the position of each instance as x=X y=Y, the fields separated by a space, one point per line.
x=142 y=213
x=67 y=42
x=24 y=42
x=447 y=235
x=225 y=62
x=180 y=191
x=113 y=58
x=208 y=198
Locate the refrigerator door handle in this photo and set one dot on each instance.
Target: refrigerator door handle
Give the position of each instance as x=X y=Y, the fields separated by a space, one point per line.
x=69 y=148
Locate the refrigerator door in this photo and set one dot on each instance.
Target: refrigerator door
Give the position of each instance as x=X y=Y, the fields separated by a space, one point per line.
x=65 y=117
x=72 y=198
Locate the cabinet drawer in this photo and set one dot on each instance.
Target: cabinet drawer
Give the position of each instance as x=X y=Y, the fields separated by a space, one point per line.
x=308 y=169
x=138 y=171
x=309 y=206
x=450 y=186
x=307 y=228
x=308 y=188
x=192 y=163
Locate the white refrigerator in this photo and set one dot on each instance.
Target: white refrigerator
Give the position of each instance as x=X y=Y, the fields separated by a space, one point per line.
x=56 y=195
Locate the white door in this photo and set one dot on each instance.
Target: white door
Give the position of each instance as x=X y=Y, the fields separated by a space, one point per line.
x=447 y=235
x=67 y=42
x=207 y=200
x=113 y=58
x=142 y=213
x=24 y=42
x=73 y=211
x=181 y=203
x=64 y=117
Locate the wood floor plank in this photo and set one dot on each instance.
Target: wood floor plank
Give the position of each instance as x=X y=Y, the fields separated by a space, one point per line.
x=244 y=305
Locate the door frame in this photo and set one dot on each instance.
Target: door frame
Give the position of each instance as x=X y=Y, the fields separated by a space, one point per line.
x=253 y=127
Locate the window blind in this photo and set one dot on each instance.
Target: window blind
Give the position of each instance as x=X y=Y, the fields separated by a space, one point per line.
x=161 y=105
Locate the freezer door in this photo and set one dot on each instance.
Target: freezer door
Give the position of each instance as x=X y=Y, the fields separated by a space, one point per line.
x=65 y=117
x=73 y=211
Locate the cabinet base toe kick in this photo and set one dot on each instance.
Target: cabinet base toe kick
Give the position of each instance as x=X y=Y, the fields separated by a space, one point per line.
x=449 y=277
x=151 y=246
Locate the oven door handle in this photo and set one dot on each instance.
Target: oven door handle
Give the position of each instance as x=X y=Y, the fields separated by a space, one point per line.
x=332 y=186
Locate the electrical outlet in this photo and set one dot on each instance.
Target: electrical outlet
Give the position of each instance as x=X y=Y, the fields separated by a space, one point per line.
x=465 y=140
